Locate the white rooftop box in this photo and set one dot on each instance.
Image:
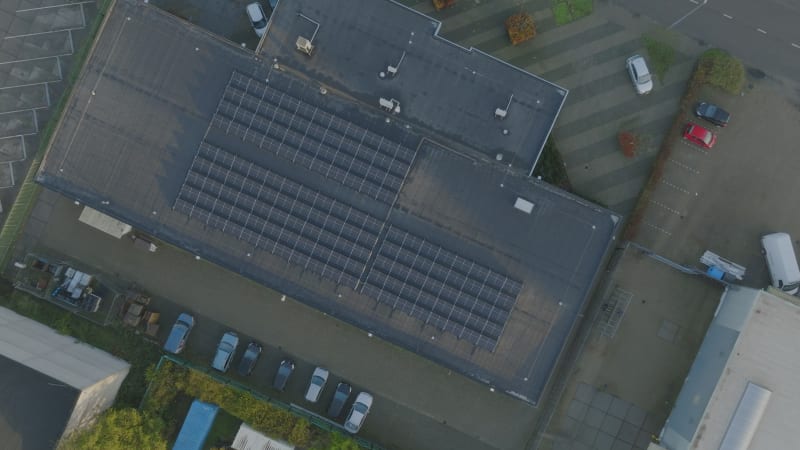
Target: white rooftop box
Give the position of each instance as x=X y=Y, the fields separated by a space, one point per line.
x=523 y=205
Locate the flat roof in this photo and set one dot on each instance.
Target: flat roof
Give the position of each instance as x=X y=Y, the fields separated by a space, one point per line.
x=34 y=407
x=438 y=83
x=386 y=224
x=61 y=357
x=748 y=344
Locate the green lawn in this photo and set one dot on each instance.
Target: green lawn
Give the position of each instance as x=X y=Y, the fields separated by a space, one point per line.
x=661 y=56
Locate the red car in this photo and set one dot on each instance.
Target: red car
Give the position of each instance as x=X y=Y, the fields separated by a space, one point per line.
x=699 y=135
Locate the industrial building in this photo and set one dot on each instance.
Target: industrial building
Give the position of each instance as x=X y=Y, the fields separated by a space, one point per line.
x=358 y=163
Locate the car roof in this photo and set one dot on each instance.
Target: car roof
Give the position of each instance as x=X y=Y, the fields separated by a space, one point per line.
x=255 y=11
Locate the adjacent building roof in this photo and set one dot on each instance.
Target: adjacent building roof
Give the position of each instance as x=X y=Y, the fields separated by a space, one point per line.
x=295 y=177
x=742 y=391
x=34 y=408
x=49 y=383
x=196 y=426
x=250 y=439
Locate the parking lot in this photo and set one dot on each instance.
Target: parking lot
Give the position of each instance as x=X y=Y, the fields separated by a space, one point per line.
x=445 y=410
x=724 y=199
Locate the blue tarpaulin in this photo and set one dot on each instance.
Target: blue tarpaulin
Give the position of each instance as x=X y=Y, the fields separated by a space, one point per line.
x=196 y=426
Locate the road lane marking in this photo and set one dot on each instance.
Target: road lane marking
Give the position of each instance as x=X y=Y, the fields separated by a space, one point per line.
x=727 y=16
x=761 y=31
x=680 y=164
x=687 y=14
x=795 y=45
x=695 y=2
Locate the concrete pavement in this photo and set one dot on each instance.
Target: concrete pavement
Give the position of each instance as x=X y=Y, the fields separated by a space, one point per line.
x=445 y=410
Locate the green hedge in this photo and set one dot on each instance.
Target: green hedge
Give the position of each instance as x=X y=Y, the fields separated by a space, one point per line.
x=718 y=68
x=172 y=382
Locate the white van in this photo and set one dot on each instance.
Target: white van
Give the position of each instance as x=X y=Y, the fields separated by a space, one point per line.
x=782 y=262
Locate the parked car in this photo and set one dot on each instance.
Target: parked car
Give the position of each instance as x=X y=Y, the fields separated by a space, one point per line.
x=699 y=135
x=712 y=113
x=640 y=74
x=176 y=340
x=282 y=376
x=248 y=362
x=343 y=391
x=257 y=18
x=318 y=380
x=225 y=350
x=358 y=413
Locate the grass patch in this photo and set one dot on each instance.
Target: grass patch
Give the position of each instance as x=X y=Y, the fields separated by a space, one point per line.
x=661 y=56
x=566 y=11
x=551 y=167
x=223 y=431
x=120 y=342
x=718 y=68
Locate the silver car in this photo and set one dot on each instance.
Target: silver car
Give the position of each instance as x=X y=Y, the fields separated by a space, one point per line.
x=225 y=350
x=358 y=413
x=318 y=380
x=640 y=74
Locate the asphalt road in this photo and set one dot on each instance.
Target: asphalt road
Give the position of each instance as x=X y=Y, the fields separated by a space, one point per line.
x=764 y=34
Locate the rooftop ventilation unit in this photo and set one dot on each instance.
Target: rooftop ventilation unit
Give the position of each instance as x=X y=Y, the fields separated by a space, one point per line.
x=523 y=205
x=501 y=113
x=390 y=105
x=304 y=45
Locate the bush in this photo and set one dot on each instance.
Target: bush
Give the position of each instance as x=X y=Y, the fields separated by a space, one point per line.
x=442 y=4
x=629 y=143
x=520 y=27
x=718 y=68
x=551 y=167
x=120 y=429
x=301 y=434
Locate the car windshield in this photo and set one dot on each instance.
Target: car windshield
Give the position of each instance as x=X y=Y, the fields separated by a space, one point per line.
x=791 y=287
x=707 y=138
x=360 y=407
x=260 y=24
x=644 y=78
x=316 y=379
x=711 y=110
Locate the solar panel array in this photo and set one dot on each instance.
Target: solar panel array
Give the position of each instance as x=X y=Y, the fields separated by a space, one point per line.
x=441 y=288
x=279 y=215
x=297 y=130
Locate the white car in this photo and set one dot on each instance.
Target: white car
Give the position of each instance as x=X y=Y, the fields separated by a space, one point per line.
x=640 y=74
x=257 y=18
x=358 y=413
x=317 y=384
x=225 y=350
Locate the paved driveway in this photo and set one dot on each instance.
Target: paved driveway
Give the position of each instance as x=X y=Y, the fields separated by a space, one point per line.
x=726 y=198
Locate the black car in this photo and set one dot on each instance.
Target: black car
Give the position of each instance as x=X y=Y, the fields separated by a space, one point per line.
x=712 y=113
x=343 y=391
x=282 y=376
x=249 y=359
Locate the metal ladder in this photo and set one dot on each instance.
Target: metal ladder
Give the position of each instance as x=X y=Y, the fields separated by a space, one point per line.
x=613 y=310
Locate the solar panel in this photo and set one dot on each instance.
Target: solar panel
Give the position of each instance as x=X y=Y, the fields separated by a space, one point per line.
x=272 y=212
x=302 y=132
x=441 y=288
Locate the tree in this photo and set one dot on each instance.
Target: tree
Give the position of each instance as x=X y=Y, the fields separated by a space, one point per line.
x=120 y=429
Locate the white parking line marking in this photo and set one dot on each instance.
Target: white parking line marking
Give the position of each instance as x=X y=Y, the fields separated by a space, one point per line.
x=727 y=16
x=53 y=6
x=677 y=188
x=673 y=211
x=680 y=164
x=33 y=59
x=43 y=32
x=657 y=228
x=695 y=2
x=795 y=45
x=761 y=31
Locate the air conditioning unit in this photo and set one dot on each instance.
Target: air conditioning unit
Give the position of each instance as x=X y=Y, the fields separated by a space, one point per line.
x=500 y=113
x=304 y=45
x=391 y=70
x=390 y=105
x=523 y=205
